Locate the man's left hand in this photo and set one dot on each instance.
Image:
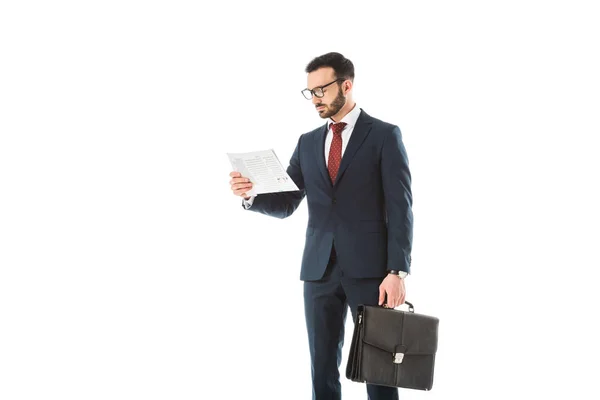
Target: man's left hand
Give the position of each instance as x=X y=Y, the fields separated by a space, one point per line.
x=393 y=286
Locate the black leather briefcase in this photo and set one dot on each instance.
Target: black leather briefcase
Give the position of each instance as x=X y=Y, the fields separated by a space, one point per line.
x=392 y=347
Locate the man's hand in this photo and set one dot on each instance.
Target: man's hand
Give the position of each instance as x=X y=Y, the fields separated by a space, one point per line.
x=393 y=286
x=240 y=185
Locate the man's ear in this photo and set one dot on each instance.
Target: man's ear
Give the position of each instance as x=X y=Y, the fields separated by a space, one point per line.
x=347 y=86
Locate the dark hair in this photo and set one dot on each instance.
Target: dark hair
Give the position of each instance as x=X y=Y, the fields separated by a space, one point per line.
x=344 y=69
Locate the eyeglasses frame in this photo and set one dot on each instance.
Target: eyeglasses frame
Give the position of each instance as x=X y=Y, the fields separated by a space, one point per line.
x=312 y=91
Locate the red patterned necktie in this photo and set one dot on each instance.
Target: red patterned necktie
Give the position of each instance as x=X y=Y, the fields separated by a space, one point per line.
x=335 y=151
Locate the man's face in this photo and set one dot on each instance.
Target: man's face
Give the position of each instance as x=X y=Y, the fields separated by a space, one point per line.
x=333 y=100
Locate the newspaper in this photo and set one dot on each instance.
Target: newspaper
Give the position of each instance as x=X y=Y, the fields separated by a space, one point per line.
x=264 y=170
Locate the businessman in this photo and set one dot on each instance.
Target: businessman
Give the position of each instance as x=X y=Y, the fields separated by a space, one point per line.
x=354 y=173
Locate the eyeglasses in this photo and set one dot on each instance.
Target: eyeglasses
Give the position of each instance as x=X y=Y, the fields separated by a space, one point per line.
x=318 y=91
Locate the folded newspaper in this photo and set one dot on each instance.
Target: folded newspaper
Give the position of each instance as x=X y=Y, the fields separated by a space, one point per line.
x=264 y=170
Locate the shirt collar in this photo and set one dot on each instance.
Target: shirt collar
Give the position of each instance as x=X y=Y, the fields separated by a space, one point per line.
x=350 y=118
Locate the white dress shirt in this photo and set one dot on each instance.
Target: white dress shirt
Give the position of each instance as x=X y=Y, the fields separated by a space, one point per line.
x=350 y=119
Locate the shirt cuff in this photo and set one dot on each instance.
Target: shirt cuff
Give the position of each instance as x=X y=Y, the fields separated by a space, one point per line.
x=248 y=203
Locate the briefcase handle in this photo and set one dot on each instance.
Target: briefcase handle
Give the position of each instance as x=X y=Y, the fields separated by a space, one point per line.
x=411 y=308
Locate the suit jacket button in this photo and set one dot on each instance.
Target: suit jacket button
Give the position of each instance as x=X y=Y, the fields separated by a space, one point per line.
x=334 y=200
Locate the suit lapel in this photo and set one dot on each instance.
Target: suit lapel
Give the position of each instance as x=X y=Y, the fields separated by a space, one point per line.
x=320 y=154
x=361 y=130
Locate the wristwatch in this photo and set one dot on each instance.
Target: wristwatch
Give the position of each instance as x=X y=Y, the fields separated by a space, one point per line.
x=400 y=274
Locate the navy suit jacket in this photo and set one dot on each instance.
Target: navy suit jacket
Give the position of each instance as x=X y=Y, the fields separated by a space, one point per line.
x=367 y=212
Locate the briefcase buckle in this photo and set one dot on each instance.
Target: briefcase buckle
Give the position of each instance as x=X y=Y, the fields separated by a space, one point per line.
x=398 y=357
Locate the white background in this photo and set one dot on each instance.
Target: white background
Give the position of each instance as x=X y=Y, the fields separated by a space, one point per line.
x=128 y=270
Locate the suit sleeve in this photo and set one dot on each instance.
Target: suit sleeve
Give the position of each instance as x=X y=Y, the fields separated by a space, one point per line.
x=282 y=205
x=396 y=180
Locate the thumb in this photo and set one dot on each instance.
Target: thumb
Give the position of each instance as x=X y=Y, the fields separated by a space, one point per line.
x=381 y=295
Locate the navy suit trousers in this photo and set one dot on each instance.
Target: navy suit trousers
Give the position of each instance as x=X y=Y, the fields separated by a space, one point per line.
x=326 y=302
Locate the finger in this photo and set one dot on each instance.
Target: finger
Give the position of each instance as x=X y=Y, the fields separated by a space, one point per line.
x=395 y=299
x=239 y=180
x=392 y=300
x=241 y=189
x=402 y=292
x=381 y=295
x=241 y=186
x=234 y=174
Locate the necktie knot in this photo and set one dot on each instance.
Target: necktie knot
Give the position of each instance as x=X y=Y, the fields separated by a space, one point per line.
x=338 y=128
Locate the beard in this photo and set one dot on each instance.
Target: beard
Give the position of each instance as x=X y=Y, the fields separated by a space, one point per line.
x=333 y=108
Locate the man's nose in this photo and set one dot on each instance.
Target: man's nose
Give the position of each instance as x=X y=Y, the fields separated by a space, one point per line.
x=316 y=100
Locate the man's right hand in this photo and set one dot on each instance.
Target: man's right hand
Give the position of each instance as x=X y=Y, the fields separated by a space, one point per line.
x=240 y=185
